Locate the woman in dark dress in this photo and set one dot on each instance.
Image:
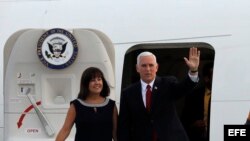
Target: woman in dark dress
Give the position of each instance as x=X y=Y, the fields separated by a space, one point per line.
x=94 y=115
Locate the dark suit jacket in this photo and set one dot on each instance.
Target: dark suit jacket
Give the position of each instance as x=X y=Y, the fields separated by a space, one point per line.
x=136 y=124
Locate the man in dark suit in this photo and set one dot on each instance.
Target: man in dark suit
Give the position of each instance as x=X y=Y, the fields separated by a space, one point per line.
x=196 y=112
x=159 y=121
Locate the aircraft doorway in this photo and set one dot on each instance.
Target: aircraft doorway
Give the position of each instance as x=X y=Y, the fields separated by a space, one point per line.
x=170 y=60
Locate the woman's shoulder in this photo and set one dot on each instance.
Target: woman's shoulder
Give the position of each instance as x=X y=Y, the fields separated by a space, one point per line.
x=110 y=100
x=75 y=102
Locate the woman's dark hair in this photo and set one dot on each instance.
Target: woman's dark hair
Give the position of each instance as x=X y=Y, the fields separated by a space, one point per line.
x=87 y=75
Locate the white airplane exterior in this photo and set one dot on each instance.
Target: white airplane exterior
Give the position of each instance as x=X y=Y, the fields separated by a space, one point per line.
x=109 y=34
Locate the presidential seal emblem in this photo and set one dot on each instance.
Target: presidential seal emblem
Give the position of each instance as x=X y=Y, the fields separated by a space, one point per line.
x=57 y=48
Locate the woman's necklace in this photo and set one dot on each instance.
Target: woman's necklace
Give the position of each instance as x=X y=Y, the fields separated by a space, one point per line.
x=96 y=102
x=95 y=109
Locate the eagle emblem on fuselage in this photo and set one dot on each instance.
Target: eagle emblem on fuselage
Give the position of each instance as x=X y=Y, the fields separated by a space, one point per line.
x=56 y=48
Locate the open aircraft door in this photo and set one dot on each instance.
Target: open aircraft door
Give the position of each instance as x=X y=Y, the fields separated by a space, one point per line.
x=42 y=72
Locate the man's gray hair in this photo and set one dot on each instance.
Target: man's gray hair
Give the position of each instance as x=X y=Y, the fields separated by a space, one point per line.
x=145 y=53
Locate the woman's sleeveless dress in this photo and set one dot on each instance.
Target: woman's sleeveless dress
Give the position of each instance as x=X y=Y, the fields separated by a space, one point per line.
x=93 y=121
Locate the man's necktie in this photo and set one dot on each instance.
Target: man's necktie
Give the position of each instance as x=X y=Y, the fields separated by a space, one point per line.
x=148 y=98
x=148 y=107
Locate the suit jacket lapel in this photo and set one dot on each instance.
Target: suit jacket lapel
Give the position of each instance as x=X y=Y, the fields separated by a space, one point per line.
x=138 y=96
x=155 y=94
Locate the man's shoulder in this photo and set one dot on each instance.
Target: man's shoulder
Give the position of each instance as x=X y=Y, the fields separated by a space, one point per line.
x=131 y=87
x=165 y=79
